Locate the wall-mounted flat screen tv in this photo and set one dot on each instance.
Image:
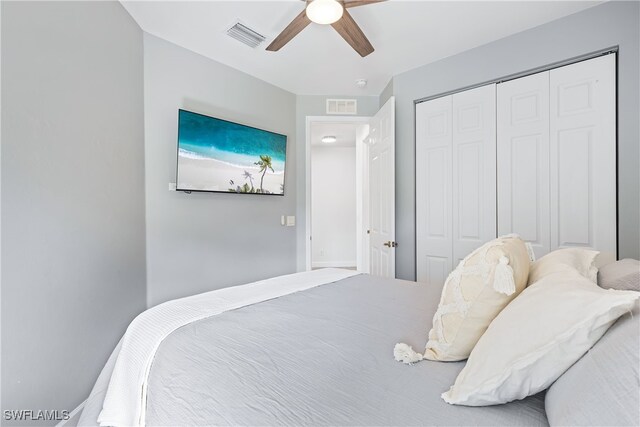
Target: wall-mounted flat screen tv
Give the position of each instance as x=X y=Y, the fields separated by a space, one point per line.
x=221 y=156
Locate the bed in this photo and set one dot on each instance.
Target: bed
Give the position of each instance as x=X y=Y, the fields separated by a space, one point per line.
x=318 y=356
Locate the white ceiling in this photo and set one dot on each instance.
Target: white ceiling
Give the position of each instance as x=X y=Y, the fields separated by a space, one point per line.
x=405 y=34
x=345 y=134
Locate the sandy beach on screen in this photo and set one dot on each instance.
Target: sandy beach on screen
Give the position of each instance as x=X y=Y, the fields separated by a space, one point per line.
x=214 y=175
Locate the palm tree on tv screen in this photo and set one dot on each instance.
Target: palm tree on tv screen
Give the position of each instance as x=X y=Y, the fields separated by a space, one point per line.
x=264 y=163
x=249 y=176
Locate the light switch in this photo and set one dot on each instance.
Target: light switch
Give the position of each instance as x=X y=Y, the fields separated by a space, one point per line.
x=288 y=220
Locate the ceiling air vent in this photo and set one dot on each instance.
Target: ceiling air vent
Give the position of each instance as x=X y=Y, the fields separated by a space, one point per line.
x=246 y=35
x=342 y=106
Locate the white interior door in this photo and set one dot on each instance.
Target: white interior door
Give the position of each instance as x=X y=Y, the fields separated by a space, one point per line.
x=583 y=155
x=382 y=191
x=434 y=230
x=474 y=169
x=523 y=160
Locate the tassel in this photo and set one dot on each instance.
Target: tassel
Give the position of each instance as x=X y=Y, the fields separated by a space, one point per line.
x=503 y=280
x=405 y=354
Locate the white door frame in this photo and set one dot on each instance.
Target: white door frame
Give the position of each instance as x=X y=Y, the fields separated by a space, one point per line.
x=359 y=226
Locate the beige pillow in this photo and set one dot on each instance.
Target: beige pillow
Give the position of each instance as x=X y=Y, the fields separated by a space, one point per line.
x=537 y=337
x=473 y=295
x=581 y=260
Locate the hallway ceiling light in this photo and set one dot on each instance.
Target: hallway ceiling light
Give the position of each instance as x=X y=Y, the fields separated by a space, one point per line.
x=329 y=139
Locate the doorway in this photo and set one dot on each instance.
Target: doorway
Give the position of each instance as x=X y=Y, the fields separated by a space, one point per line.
x=337 y=179
x=374 y=178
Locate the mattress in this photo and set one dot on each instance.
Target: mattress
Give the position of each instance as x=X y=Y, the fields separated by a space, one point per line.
x=323 y=356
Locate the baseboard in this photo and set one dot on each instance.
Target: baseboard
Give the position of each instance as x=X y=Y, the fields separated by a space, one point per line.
x=74 y=416
x=338 y=264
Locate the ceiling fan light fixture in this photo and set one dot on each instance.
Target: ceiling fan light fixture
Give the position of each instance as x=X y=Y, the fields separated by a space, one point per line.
x=324 y=11
x=329 y=139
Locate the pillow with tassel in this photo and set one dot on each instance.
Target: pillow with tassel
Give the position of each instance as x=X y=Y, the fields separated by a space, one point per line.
x=473 y=295
x=537 y=337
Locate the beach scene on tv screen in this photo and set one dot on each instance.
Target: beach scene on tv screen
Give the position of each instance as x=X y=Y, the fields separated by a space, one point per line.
x=216 y=155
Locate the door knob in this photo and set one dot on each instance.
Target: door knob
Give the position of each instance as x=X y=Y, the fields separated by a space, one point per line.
x=390 y=244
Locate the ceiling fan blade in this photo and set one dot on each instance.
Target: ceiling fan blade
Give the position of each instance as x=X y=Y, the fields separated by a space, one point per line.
x=351 y=32
x=356 y=3
x=298 y=24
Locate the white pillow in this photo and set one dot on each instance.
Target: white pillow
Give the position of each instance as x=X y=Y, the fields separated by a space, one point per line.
x=473 y=295
x=537 y=337
x=581 y=260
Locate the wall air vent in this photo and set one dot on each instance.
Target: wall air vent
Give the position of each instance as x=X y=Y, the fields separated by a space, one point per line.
x=342 y=106
x=246 y=35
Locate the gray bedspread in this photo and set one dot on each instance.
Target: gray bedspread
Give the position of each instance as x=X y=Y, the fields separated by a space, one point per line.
x=319 y=357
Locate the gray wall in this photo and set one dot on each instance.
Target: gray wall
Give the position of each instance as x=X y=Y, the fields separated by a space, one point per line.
x=387 y=93
x=73 y=220
x=603 y=26
x=203 y=241
x=315 y=105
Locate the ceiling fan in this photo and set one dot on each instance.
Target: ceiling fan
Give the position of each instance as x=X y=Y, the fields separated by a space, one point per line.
x=333 y=12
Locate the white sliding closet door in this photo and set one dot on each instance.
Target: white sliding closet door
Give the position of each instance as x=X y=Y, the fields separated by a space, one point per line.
x=523 y=160
x=434 y=232
x=455 y=179
x=557 y=157
x=474 y=169
x=583 y=155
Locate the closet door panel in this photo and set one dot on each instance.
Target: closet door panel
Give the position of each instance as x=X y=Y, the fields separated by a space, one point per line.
x=573 y=188
x=474 y=169
x=433 y=190
x=523 y=160
x=583 y=155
